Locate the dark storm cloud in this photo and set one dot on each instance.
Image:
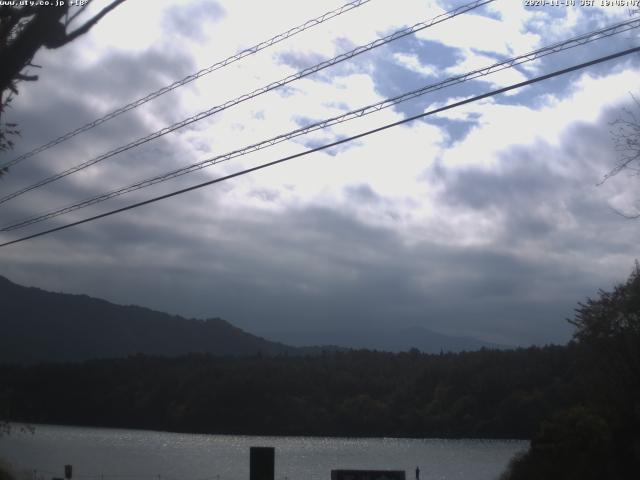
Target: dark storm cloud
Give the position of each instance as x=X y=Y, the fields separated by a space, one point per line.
x=121 y=170
x=524 y=178
x=84 y=94
x=303 y=269
x=557 y=207
x=116 y=78
x=308 y=267
x=120 y=76
x=318 y=268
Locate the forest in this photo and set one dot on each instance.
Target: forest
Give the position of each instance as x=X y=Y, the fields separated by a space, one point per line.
x=578 y=403
x=497 y=394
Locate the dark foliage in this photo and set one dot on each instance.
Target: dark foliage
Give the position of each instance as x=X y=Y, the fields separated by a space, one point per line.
x=600 y=436
x=5 y=472
x=499 y=394
x=8 y=131
x=25 y=28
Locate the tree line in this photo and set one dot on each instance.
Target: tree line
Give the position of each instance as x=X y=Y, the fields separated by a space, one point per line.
x=488 y=393
x=578 y=403
x=597 y=436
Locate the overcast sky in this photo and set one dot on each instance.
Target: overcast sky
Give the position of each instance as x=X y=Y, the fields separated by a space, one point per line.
x=483 y=221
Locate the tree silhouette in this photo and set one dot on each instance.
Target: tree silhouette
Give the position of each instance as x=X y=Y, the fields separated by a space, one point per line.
x=600 y=436
x=25 y=29
x=613 y=316
x=625 y=133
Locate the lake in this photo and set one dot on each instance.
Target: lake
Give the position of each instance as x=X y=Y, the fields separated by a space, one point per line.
x=113 y=454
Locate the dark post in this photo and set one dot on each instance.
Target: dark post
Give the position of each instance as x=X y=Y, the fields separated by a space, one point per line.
x=368 y=475
x=68 y=471
x=261 y=463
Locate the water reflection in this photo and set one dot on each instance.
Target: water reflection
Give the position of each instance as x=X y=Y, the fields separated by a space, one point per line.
x=110 y=454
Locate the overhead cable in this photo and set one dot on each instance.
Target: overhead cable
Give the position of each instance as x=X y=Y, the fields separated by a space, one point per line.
x=248 y=96
x=190 y=78
x=332 y=144
x=375 y=107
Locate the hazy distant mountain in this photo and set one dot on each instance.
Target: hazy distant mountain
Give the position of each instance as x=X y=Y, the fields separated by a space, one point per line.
x=36 y=325
x=393 y=340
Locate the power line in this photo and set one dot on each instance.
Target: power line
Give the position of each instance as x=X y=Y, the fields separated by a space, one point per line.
x=248 y=96
x=190 y=78
x=332 y=144
x=534 y=55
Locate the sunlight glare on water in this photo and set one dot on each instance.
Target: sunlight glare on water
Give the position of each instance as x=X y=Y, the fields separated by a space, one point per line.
x=112 y=454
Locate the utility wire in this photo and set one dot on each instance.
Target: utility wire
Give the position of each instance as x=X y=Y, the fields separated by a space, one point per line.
x=534 y=55
x=332 y=144
x=248 y=96
x=190 y=78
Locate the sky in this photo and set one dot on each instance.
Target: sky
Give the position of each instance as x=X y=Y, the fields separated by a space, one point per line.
x=488 y=220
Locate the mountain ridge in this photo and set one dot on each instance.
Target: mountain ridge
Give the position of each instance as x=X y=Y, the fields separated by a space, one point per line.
x=40 y=325
x=387 y=339
x=37 y=325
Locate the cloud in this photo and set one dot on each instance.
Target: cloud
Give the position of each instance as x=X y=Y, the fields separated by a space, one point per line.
x=482 y=221
x=304 y=269
x=178 y=20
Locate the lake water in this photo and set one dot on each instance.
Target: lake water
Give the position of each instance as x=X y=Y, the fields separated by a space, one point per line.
x=111 y=454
